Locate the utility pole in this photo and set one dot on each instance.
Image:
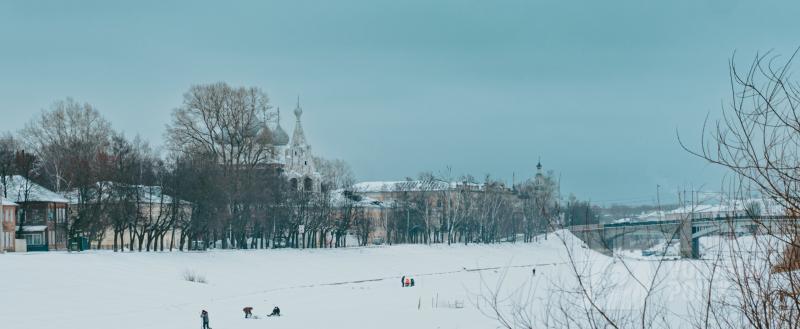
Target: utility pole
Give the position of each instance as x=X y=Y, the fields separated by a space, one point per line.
x=408 y=229
x=658 y=202
x=272 y=243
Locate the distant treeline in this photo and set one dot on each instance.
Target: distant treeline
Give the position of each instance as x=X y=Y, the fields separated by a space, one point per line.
x=216 y=184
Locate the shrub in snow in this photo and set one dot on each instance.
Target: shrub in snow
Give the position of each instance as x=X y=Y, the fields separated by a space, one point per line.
x=193 y=276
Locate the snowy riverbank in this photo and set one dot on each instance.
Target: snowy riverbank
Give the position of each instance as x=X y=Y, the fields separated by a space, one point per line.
x=315 y=288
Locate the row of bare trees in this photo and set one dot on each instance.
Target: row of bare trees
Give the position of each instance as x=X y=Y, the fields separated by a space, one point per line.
x=439 y=209
x=71 y=149
x=219 y=183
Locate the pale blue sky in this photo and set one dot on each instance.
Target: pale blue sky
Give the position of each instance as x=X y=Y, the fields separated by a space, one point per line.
x=596 y=88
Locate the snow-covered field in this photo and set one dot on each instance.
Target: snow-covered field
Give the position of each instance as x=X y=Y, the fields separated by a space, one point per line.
x=315 y=288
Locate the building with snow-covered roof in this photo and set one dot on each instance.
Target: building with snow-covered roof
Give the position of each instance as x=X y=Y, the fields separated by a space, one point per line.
x=41 y=208
x=117 y=192
x=20 y=189
x=389 y=190
x=380 y=198
x=149 y=205
x=369 y=216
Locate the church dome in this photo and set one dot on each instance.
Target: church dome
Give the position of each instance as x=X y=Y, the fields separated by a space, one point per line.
x=279 y=136
x=264 y=135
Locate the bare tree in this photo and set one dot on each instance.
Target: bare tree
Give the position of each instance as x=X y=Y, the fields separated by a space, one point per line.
x=227 y=125
x=8 y=151
x=336 y=173
x=226 y=122
x=757 y=139
x=539 y=198
x=67 y=140
x=26 y=168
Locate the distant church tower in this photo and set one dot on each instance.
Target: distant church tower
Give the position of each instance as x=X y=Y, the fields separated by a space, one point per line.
x=539 y=178
x=299 y=162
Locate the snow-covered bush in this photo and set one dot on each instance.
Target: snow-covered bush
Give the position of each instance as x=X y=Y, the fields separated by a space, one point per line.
x=192 y=276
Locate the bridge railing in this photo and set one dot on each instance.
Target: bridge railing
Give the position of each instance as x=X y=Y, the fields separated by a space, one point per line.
x=588 y=227
x=704 y=219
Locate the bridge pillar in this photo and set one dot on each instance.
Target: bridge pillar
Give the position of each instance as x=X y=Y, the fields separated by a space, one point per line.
x=690 y=247
x=609 y=244
x=600 y=243
x=685 y=236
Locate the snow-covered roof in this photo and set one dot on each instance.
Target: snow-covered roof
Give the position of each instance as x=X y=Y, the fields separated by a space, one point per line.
x=411 y=185
x=33 y=228
x=296 y=174
x=20 y=190
x=114 y=191
x=340 y=198
x=7 y=202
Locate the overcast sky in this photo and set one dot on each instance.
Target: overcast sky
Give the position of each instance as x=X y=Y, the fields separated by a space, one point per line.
x=597 y=89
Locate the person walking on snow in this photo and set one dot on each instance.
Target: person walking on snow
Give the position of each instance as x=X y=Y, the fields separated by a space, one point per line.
x=403 y=281
x=204 y=316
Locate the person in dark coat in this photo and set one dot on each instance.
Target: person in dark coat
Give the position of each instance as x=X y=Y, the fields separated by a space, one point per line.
x=276 y=311
x=204 y=316
x=403 y=281
x=412 y=282
x=248 y=312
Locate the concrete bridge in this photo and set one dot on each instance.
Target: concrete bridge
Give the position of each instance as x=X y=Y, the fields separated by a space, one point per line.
x=642 y=235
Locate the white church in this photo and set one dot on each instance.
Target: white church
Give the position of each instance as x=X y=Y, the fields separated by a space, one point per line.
x=295 y=154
